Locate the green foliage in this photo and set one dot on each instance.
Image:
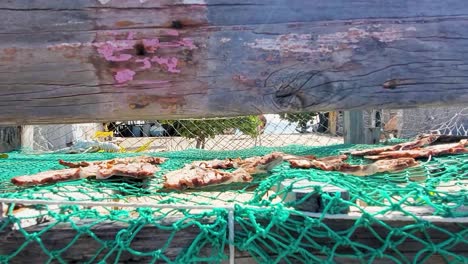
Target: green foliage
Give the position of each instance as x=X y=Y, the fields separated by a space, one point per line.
x=202 y=129
x=300 y=118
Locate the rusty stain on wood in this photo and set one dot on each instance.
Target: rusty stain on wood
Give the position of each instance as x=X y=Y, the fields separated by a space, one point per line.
x=124 y=23
x=8 y=54
x=394 y=83
x=166 y=102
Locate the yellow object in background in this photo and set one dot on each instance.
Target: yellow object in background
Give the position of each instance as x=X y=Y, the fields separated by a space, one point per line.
x=145 y=146
x=103 y=134
x=3 y=155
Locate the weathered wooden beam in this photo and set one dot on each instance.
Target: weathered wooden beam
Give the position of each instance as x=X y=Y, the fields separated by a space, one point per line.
x=97 y=241
x=102 y=60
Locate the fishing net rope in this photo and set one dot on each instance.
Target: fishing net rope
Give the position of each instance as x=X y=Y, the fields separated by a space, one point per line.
x=335 y=217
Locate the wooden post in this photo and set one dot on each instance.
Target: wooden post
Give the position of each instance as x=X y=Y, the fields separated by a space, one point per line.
x=332 y=122
x=361 y=127
x=10 y=138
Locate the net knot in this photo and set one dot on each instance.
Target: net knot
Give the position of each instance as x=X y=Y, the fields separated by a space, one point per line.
x=311 y=222
x=344 y=241
x=396 y=207
x=122 y=238
x=146 y=212
x=458 y=238
x=325 y=250
x=83 y=229
x=34 y=236
x=262 y=232
x=272 y=196
x=365 y=220
x=379 y=253
x=426 y=225
x=281 y=214
x=397 y=232
x=54 y=254
x=433 y=248
x=156 y=254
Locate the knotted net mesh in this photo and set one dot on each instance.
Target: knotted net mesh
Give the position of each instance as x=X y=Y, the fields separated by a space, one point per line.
x=288 y=216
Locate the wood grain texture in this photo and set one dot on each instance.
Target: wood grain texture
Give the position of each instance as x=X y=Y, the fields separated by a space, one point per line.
x=148 y=238
x=105 y=60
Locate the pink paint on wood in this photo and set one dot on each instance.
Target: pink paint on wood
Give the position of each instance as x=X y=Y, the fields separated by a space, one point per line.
x=151 y=45
x=131 y=35
x=169 y=45
x=172 y=32
x=187 y=42
x=117 y=51
x=327 y=43
x=170 y=63
x=107 y=51
x=124 y=44
x=124 y=76
x=146 y=63
x=149 y=82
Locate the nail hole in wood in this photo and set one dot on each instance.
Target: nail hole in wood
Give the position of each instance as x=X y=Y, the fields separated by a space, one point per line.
x=177 y=24
x=140 y=49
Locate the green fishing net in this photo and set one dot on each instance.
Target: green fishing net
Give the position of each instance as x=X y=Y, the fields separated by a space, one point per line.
x=288 y=216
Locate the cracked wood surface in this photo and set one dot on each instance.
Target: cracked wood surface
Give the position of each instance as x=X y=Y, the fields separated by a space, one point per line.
x=104 y=60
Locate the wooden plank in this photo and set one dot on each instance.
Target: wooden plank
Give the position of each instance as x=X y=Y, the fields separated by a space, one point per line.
x=435 y=259
x=150 y=238
x=104 y=60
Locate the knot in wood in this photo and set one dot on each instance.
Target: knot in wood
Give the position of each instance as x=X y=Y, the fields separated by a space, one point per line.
x=288 y=97
x=297 y=91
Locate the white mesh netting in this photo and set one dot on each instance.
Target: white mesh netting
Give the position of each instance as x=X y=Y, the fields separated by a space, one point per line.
x=313 y=129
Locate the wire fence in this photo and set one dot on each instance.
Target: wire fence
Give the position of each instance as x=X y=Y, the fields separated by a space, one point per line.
x=270 y=130
x=287 y=215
